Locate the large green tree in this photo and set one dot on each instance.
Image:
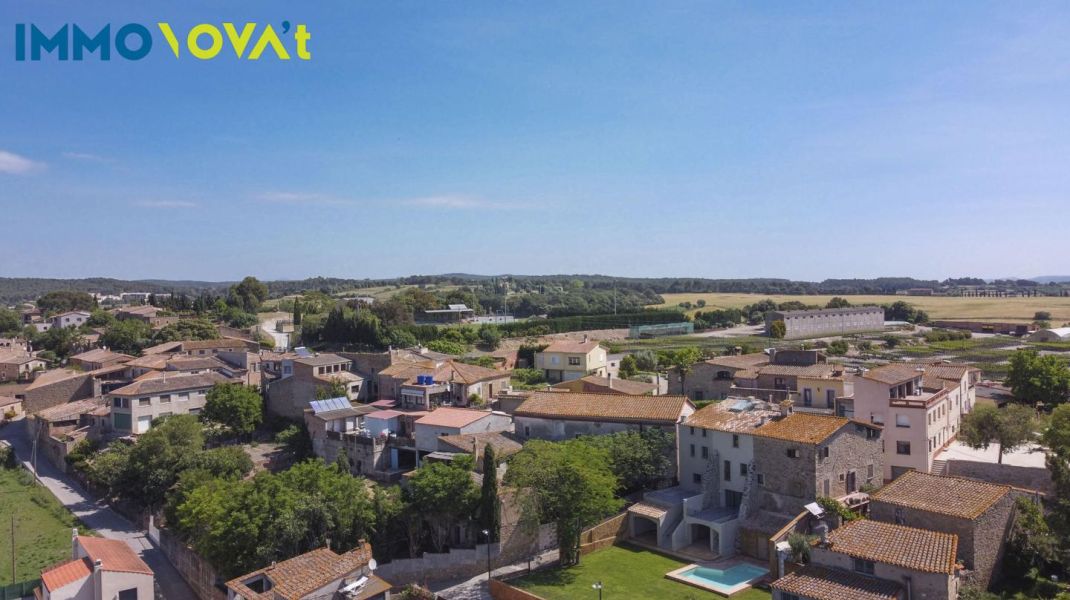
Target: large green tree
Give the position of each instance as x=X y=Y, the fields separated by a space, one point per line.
x=160 y=455
x=1034 y=378
x=1056 y=438
x=10 y=321
x=65 y=300
x=1009 y=428
x=572 y=486
x=187 y=329
x=247 y=295
x=445 y=495
x=129 y=336
x=639 y=460
x=237 y=407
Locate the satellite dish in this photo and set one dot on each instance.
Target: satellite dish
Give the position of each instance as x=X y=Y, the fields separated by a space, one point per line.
x=372 y=565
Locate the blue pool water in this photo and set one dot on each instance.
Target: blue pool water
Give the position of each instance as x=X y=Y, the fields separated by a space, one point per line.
x=724 y=579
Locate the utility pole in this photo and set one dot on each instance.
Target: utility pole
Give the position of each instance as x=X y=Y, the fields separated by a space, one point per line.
x=13 y=580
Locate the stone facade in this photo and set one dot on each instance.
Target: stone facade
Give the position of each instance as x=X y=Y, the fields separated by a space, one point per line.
x=923 y=585
x=981 y=540
x=42 y=395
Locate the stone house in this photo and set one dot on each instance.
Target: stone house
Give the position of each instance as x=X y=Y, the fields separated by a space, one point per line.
x=99 y=569
x=18 y=366
x=57 y=386
x=565 y=360
x=979 y=513
x=203 y=347
x=865 y=559
x=426 y=384
x=98 y=358
x=321 y=573
x=713 y=379
x=336 y=425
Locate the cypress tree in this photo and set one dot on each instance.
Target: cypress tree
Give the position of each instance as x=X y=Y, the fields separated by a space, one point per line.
x=489 y=513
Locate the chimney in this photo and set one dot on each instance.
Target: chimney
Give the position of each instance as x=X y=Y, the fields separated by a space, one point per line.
x=74 y=542
x=585 y=338
x=822 y=530
x=609 y=379
x=785 y=407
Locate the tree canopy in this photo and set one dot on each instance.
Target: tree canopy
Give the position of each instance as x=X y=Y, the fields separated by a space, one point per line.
x=247 y=295
x=1034 y=378
x=1010 y=427
x=237 y=407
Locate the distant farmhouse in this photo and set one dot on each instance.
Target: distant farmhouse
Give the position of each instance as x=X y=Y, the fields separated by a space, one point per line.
x=800 y=324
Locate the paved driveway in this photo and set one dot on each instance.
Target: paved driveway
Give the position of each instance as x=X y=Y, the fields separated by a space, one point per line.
x=99 y=516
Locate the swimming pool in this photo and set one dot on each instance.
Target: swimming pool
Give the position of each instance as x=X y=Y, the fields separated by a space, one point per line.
x=723 y=581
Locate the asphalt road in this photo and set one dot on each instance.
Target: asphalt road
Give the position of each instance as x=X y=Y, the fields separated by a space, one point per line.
x=98 y=515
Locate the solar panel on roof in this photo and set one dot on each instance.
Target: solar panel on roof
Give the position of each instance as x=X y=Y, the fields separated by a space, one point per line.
x=322 y=406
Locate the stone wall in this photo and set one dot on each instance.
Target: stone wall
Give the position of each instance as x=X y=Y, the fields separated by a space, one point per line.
x=1027 y=478
x=200 y=576
x=604 y=534
x=850 y=450
x=500 y=590
x=59 y=392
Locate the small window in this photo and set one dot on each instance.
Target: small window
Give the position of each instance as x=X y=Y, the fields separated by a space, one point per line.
x=692 y=431
x=696 y=478
x=902 y=421
x=735 y=440
x=166 y=398
x=705 y=452
x=143 y=401
x=527 y=431
x=574 y=361
x=692 y=451
x=742 y=469
x=902 y=448
x=863 y=566
x=825 y=452
x=759 y=478
x=793 y=453
x=703 y=433
x=728 y=470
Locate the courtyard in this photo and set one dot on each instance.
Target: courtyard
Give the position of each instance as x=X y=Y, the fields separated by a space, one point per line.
x=625 y=572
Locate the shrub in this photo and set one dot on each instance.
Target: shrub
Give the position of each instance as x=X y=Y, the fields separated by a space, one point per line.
x=838 y=348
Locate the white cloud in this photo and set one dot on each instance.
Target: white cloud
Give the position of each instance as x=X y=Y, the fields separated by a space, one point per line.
x=165 y=204
x=456 y=202
x=305 y=198
x=14 y=164
x=84 y=156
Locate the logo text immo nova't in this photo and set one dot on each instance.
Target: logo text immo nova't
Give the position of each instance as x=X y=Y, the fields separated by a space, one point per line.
x=134 y=41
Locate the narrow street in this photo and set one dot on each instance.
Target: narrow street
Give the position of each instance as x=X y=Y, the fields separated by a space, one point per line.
x=98 y=515
x=476 y=588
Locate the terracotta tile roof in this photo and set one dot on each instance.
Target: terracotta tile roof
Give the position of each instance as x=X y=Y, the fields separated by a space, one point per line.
x=17 y=357
x=952 y=496
x=821 y=583
x=907 y=547
x=571 y=347
x=616 y=408
x=806 y=428
x=146 y=310
x=158 y=385
x=188 y=363
x=820 y=370
x=647 y=509
x=320 y=360
x=953 y=372
x=150 y=361
x=409 y=370
x=720 y=416
x=299 y=576
x=452 y=417
x=53 y=376
x=69 y=410
x=161 y=348
x=65 y=573
x=384 y=414
x=740 y=361
x=465 y=373
x=894 y=373
x=8 y=401
x=224 y=342
x=501 y=442
x=114 y=555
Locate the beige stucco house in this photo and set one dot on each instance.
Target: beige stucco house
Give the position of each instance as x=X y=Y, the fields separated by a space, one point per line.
x=135 y=406
x=565 y=360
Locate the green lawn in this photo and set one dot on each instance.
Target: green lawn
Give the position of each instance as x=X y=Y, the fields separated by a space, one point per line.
x=42 y=527
x=625 y=572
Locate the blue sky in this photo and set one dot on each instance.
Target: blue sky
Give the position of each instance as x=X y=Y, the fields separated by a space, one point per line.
x=800 y=140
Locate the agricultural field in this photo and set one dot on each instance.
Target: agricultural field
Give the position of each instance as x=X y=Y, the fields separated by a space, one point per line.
x=42 y=527
x=938 y=307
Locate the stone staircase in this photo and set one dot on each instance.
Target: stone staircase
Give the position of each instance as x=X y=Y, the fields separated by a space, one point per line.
x=940 y=467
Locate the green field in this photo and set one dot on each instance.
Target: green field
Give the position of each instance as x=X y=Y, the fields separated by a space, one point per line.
x=625 y=572
x=938 y=307
x=42 y=527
